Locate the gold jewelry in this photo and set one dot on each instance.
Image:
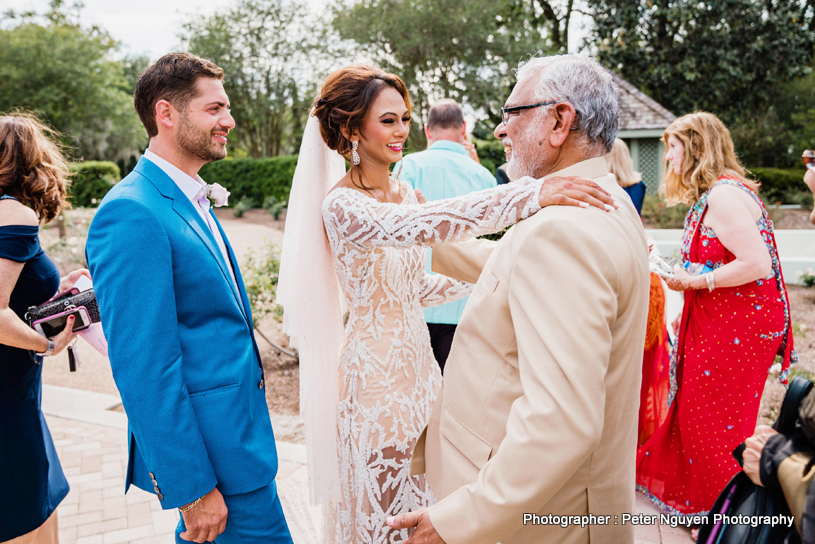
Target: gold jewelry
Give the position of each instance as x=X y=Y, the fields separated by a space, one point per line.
x=710 y=284
x=190 y=506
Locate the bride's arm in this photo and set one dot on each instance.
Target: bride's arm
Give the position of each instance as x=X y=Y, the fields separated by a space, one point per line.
x=438 y=289
x=369 y=223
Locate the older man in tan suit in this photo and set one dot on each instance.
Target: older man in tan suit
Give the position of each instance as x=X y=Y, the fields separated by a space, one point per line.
x=534 y=437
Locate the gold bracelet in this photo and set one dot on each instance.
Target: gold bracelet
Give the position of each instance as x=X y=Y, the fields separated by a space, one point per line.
x=189 y=507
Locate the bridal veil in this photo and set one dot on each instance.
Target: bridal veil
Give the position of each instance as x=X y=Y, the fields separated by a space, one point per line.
x=310 y=295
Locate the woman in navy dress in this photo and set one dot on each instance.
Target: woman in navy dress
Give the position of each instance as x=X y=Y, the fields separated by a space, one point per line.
x=620 y=164
x=33 y=176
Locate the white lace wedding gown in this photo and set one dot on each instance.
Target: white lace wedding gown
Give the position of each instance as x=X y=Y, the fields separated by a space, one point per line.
x=388 y=376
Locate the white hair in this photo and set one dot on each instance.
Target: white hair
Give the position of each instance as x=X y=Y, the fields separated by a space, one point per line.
x=583 y=83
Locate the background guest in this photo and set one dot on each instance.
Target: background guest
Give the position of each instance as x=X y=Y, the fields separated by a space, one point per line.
x=809 y=179
x=784 y=464
x=734 y=322
x=33 y=176
x=445 y=169
x=501 y=174
x=620 y=164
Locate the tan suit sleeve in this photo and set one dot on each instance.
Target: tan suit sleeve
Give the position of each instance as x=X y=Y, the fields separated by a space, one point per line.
x=795 y=474
x=563 y=302
x=463 y=260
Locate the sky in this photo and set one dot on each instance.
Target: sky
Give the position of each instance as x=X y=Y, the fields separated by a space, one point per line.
x=150 y=27
x=145 y=27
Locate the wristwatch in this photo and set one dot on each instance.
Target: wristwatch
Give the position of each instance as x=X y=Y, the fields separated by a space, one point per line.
x=49 y=351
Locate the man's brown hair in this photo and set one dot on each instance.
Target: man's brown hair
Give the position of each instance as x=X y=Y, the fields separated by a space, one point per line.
x=172 y=78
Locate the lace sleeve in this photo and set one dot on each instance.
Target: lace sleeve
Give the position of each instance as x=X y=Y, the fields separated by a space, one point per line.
x=438 y=289
x=368 y=223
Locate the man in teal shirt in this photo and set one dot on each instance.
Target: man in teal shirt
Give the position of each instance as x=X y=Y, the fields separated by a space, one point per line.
x=444 y=170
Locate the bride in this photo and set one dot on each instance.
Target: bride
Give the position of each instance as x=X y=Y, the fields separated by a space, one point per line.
x=367 y=391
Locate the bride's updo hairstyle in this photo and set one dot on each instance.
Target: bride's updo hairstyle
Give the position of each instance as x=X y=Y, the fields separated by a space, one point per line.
x=345 y=99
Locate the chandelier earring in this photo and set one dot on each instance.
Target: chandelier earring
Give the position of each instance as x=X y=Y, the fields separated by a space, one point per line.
x=354 y=154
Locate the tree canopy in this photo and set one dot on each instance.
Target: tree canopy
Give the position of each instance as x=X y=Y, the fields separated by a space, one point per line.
x=460 y=49
x=271 y=53
x=724 y=56
x=66 y=74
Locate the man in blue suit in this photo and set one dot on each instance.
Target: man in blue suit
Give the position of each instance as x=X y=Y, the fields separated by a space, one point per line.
x=177 y=319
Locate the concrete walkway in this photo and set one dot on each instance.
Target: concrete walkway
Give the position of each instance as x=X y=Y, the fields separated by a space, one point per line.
x=92 y=444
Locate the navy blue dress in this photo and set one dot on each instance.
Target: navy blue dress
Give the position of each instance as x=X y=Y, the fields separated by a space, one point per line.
x=637 y=194
x=32 y=483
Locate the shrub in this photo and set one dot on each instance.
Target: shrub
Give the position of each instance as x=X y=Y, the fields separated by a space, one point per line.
x=491 y=153
x=657 y=214
x=260 y=274
x=274 y=206
x=91 y=182
x=244 y=204
x=807 y=277
x=253 y=178
x=782 y=186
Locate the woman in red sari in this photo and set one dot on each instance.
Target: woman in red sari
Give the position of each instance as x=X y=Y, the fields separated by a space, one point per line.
x=735 y=320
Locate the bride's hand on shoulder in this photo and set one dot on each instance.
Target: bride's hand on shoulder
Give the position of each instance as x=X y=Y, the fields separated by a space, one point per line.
x=420 y=196
x=574 y=191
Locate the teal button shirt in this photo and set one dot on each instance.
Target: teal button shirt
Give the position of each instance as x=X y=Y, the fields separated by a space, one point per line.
x=444 y=170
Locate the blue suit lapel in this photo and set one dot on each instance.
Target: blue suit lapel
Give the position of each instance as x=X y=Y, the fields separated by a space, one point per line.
x=236 y=270
x=184 y=208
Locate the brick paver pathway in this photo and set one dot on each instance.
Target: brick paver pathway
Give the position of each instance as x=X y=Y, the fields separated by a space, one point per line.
x=96 y=511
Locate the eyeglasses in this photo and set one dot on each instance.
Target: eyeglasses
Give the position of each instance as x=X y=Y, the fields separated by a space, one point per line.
x=506 y=111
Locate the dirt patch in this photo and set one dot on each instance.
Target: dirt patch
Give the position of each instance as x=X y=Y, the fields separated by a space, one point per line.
x=256 y=216
x=791 y=219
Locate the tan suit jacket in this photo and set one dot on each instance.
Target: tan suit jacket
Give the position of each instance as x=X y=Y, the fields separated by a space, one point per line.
x=539 y=409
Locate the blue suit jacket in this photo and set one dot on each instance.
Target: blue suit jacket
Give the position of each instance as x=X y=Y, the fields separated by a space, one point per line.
x=181 y=345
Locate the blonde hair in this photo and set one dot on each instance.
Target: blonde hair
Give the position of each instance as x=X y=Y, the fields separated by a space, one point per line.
x=709 y=154
x=32 y=167
x=620 y=164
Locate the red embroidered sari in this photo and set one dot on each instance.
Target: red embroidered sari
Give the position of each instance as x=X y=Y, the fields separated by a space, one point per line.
x=728 y=339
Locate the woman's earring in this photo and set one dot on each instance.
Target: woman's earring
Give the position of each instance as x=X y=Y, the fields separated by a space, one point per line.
x=354 y=154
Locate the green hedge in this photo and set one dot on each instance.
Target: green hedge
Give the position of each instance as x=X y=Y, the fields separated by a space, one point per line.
x=253 y=178
x=91 y=182
x=782 y=186
x=491 y=153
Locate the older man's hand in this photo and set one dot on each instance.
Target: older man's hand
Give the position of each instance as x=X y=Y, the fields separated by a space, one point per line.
x=752 y=454
x=574 y=191
x=420 y=519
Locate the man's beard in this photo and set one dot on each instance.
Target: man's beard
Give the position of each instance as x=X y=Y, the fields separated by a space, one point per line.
x=199 y=142
x=528 y=157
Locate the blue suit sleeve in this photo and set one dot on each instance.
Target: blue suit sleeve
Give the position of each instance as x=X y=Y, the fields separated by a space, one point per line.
x=131 y=262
